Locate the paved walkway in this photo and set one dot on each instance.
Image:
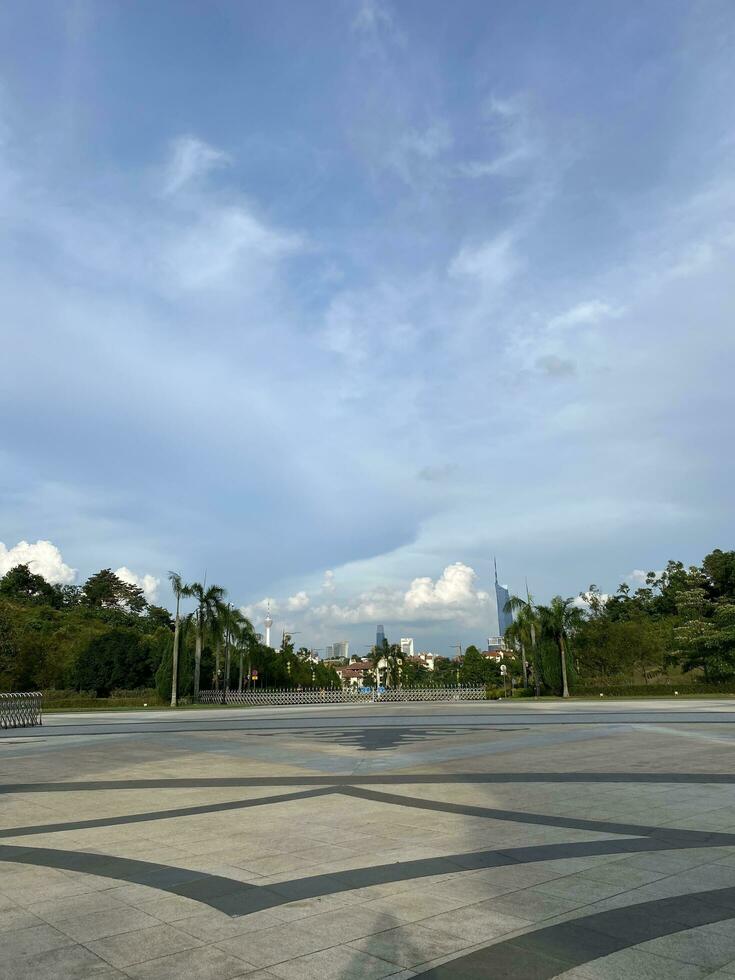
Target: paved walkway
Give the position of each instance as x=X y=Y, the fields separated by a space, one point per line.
x=473 y=840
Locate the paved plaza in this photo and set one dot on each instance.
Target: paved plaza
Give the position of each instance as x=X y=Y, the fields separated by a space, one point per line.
x=524 y=840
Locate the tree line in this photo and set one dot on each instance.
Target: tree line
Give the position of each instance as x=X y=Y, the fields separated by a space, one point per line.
x=680 y=622
x=392 y=668
x=104 y=636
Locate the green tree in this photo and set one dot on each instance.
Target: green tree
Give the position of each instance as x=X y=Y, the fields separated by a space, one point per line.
x=21 y=583
x=8 y=654
x=104 y=590
x=387 y=661
x=719 y=569
x=117 y=659
x=478 y=670
x=180 y=590
x=523 y=633
x=209 y=603
x=558 y=622
x=161 y=646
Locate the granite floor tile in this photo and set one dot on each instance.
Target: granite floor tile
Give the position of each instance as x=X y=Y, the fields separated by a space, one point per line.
x=58 y=909
x=274 y=945
x=410 y=945
x=33 y=939
x=97 y=925
x=144 y=944
x=205 y=963
x=17 y=918
x=58 y=964
x=334 y=964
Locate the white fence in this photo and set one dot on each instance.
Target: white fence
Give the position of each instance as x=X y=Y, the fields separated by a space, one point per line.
x=344 y=696
x=21 y=710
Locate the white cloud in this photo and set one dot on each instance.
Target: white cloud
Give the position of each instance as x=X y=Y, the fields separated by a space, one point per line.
x=148 y=583
x=638 y=577
x=256 y=611
x=429 y=142
x=298 y=602
x=453 y=596
x=190 y=159
x=584 y=600
x=493 y=263
x=372 y=16
x=328 y=582
x=512 y=127
x=221 y=241
x=43 y=558
x=585 y=314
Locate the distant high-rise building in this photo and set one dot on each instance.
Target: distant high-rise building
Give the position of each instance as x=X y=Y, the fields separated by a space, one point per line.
x=505 y=618
x=329 y=652
x=379 y=637
x=341 y=649
x=407 y=646
x=268 y=622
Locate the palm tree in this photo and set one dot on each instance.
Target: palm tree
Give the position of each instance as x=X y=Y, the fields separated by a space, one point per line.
x=523 y=629
x=245 y=640
x=208 y=600
x=389 y=658
x=237 y=631
x=180 y=590
x=558 y=621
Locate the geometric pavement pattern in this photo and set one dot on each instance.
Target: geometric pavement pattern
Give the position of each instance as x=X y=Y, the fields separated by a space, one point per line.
x=569 y=942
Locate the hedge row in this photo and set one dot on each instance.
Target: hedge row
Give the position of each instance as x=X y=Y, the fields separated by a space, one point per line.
x=88 y=699
x=652 y=690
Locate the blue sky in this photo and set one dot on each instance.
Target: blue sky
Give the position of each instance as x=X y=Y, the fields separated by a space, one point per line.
x=334 y=301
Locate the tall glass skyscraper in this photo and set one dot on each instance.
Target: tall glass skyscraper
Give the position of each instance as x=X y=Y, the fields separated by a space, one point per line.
x=379 y=637
x=502 y=595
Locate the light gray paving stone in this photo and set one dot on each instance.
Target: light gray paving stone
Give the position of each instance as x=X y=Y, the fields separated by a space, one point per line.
x=705 y=946
x=335 y=963
x=204 y=963
x=144 y=944
x=171 y=908
x=475 y=924
x=111 y=922
x=274 y=945
x=58 y=909
x=581 y=891
x=410 y=945
x=530 y=904
x=58 y=964
x=17 y=918
x=34 y=939
x=350 y=923
x=415 y=903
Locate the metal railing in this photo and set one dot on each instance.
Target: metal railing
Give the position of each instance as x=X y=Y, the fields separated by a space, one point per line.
x=347 y=695
x=21 y=710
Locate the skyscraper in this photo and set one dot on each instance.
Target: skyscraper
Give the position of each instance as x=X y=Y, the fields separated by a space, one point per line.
x=379 y=637
x=268 y=622
x=407 y=646
x=505 y=619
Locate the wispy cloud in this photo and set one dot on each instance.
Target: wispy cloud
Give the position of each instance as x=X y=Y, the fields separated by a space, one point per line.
x=587 y=313
x=191 y=159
